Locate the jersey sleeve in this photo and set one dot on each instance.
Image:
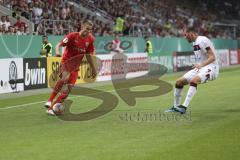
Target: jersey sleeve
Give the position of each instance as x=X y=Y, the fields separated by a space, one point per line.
x=91 y=48
x=67 y=39
x=204 y=45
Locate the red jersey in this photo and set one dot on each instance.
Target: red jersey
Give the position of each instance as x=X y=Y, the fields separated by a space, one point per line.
x=76 y=47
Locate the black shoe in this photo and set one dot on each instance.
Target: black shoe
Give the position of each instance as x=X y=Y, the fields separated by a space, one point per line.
x=182 y=109
x=172 y=109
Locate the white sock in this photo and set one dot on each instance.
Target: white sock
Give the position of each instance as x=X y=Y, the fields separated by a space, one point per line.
x=177 y=97
x=191 y=92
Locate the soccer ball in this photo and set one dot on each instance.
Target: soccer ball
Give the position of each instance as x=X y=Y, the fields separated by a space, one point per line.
x=58 y=108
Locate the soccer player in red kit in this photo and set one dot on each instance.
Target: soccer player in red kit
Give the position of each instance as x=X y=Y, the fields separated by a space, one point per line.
x=77 y=45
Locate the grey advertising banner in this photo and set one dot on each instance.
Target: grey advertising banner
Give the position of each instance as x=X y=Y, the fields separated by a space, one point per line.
x=11 y=75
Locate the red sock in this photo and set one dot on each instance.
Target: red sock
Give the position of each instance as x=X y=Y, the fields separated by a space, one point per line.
x=64 y=94
x=52 y=96
x=56 y=89
x=61 y=97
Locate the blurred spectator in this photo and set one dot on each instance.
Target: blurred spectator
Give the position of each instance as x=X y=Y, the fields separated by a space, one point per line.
x=11 y=30
x=20 y=23
x=126 y=29
x=21 y=31
x=5 y=23
x=37 y=9
x=159 y=18
x=1 y=31
x=4 y=29
x=58 y=29
x=119 y=24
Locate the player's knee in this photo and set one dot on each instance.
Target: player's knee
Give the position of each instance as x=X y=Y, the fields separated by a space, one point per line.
x=65 y=76
x=193 y=84
x=179 y=84
x=65 y=79
x=59 y=85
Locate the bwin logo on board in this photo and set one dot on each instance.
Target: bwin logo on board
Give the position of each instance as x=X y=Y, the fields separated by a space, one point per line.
x=35 y=76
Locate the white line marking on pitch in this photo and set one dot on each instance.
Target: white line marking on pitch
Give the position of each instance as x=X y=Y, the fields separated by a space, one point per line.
x=21 y=105
x=72 y=97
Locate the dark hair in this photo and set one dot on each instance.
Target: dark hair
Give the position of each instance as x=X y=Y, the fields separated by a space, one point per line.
x=45 y=36
x=14 y=14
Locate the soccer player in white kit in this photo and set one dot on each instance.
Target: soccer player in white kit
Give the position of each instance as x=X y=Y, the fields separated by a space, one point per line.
x=205 y=69
x=116 y=45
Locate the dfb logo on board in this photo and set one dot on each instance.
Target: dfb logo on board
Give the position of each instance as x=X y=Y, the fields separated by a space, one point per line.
x=13 y=75
x=35 y=73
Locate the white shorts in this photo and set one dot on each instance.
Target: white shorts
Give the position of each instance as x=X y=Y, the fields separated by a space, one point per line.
x=206 y=73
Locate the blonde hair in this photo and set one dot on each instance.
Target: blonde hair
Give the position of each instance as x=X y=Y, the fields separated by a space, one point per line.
x=88 y=22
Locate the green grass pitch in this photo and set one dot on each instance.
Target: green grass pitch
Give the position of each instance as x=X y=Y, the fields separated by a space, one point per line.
x=213 y=132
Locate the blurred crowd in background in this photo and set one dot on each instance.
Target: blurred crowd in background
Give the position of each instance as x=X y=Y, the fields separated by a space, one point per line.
x=160 y=18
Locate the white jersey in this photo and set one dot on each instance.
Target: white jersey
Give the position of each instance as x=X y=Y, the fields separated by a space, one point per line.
x=200 y=51
x=116 y=46
x=208 y=72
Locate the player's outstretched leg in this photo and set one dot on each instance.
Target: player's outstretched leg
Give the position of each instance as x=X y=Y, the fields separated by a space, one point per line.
x=64 y=78
x=60 y=99
x=177 y=94
x=70 y=83
x=190 y=94
x=55 y=91
x=64 y=94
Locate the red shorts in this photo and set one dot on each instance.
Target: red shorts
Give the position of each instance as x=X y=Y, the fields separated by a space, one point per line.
x=73 y=77
x=72 y=64
x=73 y=74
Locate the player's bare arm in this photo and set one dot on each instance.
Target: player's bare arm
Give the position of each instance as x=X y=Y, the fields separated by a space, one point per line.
x=211 y=58
x=58 y=49
x=91 y=62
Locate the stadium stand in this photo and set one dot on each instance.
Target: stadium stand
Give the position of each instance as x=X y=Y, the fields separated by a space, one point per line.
x=153 y=18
